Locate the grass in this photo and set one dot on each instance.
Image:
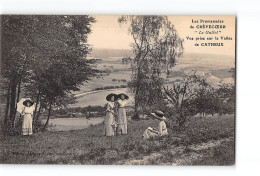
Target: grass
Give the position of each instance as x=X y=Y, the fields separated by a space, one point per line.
x=221 y=155
x=90 y=146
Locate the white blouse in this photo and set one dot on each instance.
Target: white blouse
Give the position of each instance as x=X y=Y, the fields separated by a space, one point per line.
x=28 y=110
x=121 y=103
x=162 y=128
x=110 y=106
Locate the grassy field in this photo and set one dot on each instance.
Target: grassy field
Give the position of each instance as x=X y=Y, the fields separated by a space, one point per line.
x=208 y=140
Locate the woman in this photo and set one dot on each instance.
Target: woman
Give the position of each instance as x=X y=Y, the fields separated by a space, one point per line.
x=27 y=113
x=121 y=113
x=162 y=129
x=110 y=115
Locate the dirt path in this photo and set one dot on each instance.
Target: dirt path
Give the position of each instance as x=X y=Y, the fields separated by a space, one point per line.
x=178 y=152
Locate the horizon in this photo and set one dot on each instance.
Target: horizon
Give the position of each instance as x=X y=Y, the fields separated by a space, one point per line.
x=219 y=54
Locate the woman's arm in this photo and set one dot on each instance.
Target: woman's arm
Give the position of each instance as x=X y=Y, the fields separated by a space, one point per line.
x=23 y=111
x=153 y=130
x=160 y=128
x=109 y=109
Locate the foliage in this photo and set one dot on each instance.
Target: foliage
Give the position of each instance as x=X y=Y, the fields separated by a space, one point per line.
x=87 y=111
x=226 y=94
x=193 y=95
x=127 y=60
x=182 y=97
x=156 y=47
x=46 y=55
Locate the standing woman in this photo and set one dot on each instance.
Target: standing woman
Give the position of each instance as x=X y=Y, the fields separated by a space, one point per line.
x=27 y=113
x=110 y=115
x=121 y=113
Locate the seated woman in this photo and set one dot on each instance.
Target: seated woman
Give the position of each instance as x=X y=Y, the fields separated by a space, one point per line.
x=162 y=129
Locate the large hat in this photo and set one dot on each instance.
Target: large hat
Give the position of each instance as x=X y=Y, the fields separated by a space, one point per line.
x=119 y=96
x=20 y=104
x=159 y=115
x=109 y=96
x=28 y=100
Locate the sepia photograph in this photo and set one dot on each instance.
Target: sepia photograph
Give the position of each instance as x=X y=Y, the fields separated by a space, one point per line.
x=118 y=90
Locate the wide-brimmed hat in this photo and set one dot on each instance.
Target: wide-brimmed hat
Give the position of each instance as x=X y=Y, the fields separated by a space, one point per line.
x=28 y=100
x=109 y=96
x=126 y=96
x=159 y=115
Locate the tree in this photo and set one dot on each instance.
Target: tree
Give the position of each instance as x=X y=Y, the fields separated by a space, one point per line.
x=46 y=55
x=182 y=98
x=206 y=100
x=156 y=47
x=226 y=94
x=13 y=32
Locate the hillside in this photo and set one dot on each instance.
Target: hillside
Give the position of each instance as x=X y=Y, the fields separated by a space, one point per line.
x=187 y=59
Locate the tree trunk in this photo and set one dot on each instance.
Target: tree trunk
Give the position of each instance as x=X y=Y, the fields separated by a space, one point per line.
x=37 y=115
x=137 y=93
x=7 y=104
x=49 y=115
x=18 y=94
x=13 y=102
x=36 y=106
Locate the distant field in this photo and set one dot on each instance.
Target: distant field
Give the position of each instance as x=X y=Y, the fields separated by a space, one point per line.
x=209 y=61
x=217 y=65
x=205 y=139
x=99 y=98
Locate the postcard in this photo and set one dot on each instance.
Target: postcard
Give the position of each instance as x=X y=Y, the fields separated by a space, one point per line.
x=118 y=90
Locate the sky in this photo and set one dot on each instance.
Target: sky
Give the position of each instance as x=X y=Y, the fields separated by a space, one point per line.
x=109 y=34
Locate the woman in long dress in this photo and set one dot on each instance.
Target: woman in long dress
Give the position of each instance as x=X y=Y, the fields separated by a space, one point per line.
x=162 y=129
x=110 y=115
x=27 y=113
x=121 y=113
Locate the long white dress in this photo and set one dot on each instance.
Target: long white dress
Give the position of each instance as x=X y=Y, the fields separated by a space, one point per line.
x=109 y=119
x=121 y=117
x=150 y=132
x=27 y=121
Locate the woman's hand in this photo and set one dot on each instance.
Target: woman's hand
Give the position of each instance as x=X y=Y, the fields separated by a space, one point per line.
x=110 y=111
x=23 y=111
x=155 y=131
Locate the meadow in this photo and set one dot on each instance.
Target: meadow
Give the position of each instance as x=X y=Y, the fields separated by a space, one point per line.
x=206 y=140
